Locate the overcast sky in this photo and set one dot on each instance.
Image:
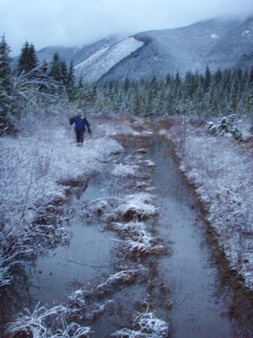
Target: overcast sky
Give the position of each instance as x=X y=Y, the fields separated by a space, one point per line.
x=74 y=22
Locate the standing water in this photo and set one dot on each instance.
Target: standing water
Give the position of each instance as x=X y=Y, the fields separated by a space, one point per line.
x=195 y=307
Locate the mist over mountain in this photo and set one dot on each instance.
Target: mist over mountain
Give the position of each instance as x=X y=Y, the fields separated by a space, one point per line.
x=218 y=43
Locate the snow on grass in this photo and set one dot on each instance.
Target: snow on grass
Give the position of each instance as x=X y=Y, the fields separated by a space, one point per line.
x=136 y=238
x=33 y=169
x=221 y=170
x=122 y=170
x=124 y=277
x=137 y=205
x=45 y=323
x=133 y=206
x=143 y=246
x=145 y=325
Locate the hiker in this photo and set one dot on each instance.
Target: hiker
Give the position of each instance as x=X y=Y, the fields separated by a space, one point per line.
x=80 y=124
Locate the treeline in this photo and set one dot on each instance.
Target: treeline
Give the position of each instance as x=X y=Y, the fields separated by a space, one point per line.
x=31 y=83
x=210 y=94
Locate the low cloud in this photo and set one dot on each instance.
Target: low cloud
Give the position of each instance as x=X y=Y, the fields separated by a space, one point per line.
x=69 y=23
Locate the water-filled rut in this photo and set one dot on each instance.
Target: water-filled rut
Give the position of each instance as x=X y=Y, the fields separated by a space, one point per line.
x=198 y=307
x=176 y=280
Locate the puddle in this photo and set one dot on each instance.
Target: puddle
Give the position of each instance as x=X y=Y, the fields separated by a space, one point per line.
x=86 y=258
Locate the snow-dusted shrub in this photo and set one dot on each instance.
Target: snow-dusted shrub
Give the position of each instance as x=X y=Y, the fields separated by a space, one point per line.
x=211 y=128
x=145 y=325
x=226 y=126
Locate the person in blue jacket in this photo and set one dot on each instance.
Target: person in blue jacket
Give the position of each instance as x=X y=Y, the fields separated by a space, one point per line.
x=81 y=123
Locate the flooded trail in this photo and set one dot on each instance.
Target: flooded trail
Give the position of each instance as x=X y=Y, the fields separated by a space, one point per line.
x=180 y=285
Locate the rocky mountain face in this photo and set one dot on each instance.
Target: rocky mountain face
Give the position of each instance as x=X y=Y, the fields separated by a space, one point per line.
x=217 y=43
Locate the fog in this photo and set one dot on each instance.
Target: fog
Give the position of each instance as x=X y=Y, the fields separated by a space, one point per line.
x=69 y=23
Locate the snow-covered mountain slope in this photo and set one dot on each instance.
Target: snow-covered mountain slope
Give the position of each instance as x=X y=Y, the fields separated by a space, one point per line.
x=78 y=53
x=99 y=63
x=219 y=43
x=216 y=43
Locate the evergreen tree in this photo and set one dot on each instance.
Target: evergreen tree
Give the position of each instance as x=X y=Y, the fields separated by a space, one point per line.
x=58 y=72
x=5 y=86
x=56 y=68
x=5 y=63
x=28 y=60
x=207 y=79
x=218 y=76
x=71 y=88
x=63 y=73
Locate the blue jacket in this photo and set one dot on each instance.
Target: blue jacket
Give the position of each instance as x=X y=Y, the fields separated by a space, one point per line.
x=80 y=123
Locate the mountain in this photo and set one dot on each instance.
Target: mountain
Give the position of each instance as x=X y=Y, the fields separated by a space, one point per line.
x=218 y=43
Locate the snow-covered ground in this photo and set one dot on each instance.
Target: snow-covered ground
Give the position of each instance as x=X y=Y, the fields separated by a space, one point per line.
x=221 y=170
x=33 y=171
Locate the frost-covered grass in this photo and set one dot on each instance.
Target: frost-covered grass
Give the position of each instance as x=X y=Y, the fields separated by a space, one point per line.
x=137 y=240
x=139 y=205
x=124 y=216
x=84 y=303
x=119 y=278
x=33 y=169
x=221 y=169
x=44 y=323
x=145 y=325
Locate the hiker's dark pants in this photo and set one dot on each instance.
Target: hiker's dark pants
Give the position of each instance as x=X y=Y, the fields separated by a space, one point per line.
x=79 y=136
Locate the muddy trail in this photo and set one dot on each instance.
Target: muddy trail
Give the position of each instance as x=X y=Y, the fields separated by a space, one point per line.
x=139 y=262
